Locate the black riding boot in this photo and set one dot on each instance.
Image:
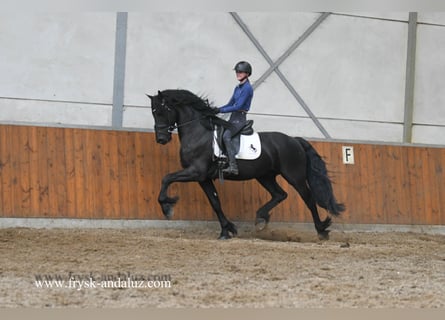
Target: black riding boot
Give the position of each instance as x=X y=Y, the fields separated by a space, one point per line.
x=233 y=166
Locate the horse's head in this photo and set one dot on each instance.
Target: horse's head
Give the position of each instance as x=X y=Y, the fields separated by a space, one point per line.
x=164 y=116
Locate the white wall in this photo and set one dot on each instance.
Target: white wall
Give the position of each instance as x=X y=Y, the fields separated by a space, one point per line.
x=58 y=69
x=351 y=72
x=429 y=94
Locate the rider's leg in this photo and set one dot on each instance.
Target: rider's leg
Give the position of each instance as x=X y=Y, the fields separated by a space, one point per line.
x=231 y=152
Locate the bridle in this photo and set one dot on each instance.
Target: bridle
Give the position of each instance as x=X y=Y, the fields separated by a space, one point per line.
x=171 y=127
x=174 y=126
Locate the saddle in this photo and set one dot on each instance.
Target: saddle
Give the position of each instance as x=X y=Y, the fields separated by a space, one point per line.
x=246 y=142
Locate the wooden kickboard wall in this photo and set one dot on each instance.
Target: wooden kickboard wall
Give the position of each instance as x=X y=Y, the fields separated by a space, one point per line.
x=100 y=174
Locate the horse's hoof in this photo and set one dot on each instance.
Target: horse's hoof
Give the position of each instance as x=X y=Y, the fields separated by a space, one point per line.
x=232 y=230
x=224 y=237
x=260 y=224
x=168 y=211
x=324 y=235
x=167 y=207
x=169 y=216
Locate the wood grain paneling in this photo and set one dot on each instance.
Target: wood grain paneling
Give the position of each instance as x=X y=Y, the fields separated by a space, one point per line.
x=79 y=173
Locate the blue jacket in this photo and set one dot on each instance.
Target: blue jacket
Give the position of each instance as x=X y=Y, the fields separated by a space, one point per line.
x=240 y=100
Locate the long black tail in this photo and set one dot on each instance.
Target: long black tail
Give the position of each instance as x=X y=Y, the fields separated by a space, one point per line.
x=318 y=180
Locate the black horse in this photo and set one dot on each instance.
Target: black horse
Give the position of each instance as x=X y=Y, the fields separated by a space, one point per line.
x=293 y=158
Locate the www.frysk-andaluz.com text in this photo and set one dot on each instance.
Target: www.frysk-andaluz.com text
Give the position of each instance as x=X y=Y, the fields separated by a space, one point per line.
x=91 y=280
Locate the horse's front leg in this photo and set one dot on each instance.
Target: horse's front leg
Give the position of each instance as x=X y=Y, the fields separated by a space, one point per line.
x=227 y=227
x=167 y=203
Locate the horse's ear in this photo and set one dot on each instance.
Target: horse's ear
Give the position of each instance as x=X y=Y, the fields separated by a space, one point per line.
x=149 y=96
x=159 y=93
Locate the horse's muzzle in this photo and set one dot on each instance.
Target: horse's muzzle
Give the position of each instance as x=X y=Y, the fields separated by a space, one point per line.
x=163 y=138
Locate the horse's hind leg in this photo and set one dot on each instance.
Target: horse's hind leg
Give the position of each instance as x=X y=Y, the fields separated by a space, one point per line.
x=278 y=194
x=306 y=194
x=308 y=199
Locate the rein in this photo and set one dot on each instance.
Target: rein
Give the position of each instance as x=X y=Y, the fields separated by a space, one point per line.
x=176 y=126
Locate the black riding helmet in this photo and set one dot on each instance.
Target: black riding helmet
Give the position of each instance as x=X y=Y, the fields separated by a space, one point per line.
x=243 y=66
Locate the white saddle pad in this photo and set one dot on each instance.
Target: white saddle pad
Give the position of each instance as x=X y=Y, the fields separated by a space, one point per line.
x=250 y=147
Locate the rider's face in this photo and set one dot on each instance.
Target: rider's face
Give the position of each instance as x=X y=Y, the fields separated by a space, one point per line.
x=241 y=76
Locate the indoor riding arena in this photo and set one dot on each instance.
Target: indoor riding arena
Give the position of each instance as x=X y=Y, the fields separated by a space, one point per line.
x=80 y=169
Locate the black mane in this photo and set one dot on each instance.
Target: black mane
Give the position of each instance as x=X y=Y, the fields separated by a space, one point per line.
x=179 y=97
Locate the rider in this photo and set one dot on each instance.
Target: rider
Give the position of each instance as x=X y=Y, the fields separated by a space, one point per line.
x=239 y=105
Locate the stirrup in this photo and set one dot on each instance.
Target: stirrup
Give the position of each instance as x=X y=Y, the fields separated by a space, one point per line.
x=231 y=170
